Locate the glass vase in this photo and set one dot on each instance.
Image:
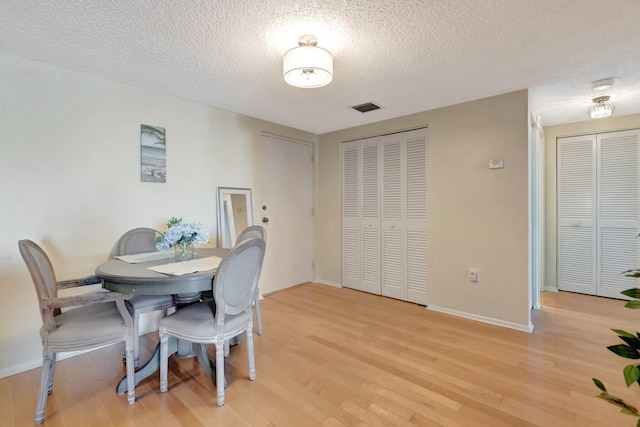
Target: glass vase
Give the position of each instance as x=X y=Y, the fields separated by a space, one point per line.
x=183 y=251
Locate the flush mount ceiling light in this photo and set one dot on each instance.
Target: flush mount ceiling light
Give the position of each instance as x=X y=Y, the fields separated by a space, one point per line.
x=308 y=65
x=603 y=84
x=601 y=107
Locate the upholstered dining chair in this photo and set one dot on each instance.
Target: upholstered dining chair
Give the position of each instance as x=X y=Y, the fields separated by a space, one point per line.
x=100 y=318
x=227 y=316
x=136 y=241
x=259 y=232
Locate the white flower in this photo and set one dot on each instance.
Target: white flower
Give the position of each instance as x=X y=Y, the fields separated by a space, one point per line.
x=179 y=232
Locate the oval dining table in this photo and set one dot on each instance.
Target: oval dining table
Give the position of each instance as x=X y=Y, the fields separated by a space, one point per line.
x=137 y=279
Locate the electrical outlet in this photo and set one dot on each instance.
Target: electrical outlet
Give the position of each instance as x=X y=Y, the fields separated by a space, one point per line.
x=473 y=275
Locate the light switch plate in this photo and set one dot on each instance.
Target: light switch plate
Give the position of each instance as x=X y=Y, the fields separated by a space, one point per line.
x=496 y=164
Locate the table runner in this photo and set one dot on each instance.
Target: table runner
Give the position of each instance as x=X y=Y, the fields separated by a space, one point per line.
x=186 y=267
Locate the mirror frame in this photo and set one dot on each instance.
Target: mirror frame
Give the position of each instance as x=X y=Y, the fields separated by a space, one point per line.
x=222 y=192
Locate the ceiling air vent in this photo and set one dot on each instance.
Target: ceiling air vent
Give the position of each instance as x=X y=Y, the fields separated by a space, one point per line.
x=366 y=107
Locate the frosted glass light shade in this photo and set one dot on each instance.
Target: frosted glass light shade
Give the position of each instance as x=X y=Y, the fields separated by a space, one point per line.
x=601 y=107
x=308 y=67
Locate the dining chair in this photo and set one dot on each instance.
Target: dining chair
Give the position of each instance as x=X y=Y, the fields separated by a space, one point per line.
x=136 y=241
x=227 y=316
x=98 y=319
x=259 y=232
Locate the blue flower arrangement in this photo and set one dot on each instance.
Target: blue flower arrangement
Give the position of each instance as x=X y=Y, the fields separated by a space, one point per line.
x=181 y=232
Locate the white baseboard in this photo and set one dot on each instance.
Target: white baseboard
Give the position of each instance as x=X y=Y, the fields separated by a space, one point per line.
x=328 y=282
x=551 y=289
x=37 y=363
x=483 y=319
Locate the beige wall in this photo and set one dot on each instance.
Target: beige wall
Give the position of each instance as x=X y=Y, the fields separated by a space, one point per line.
x=552 y=133
x=70 y=164
x=479 y=216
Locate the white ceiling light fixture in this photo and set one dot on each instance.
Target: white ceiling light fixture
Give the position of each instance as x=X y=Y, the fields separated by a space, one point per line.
x=601 y=107
x=603 y=84
x=308 y=66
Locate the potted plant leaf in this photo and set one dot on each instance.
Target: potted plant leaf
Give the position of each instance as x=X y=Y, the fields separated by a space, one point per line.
x=629 y=350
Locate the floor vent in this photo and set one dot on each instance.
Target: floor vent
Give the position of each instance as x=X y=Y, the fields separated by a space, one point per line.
x=366 y=107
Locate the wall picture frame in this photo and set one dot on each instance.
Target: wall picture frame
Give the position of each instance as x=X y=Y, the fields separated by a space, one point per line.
x=153 y=153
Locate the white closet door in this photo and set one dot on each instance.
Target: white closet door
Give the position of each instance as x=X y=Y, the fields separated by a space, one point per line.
x=393 y=242
x=351 y=267
x=370 y=218
x=617 y=220
x=416 y=196
x=576 y=214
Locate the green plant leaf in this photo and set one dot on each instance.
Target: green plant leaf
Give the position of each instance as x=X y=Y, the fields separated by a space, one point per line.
x=633 y=292
x=599 y=384
x=624 y=351
x=632 y=273
x=633 y=305
x=638 y=425
x=633 y=342
x=631 y=374
x=624 y=333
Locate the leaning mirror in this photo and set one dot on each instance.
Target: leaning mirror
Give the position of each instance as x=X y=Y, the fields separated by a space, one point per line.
x=234 y=214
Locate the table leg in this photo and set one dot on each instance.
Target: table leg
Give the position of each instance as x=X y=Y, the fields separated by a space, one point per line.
x=175 y=347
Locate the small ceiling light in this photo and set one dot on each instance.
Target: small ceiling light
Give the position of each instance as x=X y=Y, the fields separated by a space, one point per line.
x=601 y=107
x=308 y=65
x=603 y=84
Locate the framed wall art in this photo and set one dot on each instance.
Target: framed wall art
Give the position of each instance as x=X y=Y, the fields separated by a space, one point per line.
x=153 y=154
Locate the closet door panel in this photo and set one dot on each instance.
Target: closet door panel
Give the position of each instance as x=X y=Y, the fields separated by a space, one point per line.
x=576 y=213
x=617 y=219
x=351 y=265
x=370 y=221
x=393 y=245
x=416 y=196
x=417 y=267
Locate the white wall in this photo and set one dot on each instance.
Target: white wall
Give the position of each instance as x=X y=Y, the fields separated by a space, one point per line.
x=479 y=217
x=70 y=164
x=552 y=133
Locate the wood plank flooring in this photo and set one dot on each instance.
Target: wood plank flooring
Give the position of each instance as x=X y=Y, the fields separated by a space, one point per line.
x=335 y=357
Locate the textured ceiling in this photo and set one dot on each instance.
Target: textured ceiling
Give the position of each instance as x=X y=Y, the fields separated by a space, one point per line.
x=405 y=55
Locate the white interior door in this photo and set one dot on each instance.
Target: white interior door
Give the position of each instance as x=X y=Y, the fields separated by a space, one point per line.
x=618 y=211
x=370 y=215
x=598 y=212
x=287 y=209
x=393 y=201
x=351 y=248
x=576 y=214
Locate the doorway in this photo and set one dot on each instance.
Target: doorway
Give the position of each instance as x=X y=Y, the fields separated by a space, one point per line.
x=286 y=212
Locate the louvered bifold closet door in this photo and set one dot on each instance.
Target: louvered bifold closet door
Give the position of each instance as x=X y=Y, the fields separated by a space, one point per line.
x=576 y=214
x=393 y=239
x=416 y=197
x=351 y=266
x=370 y=218
x=617 y=219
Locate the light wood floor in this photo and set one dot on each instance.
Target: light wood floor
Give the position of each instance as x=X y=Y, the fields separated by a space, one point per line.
x=336 y=357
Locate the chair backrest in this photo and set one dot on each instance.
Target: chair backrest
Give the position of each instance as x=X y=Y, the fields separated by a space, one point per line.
x=137 y=241
x=254 y=231
x=237 y=277
x=43 y=276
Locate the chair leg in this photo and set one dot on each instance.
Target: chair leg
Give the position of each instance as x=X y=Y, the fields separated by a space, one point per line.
x=136 y=339
x=52 y=374
x=258 y=315
x=227 y=348
x=164 y=362
x=131 y=385
x=45 y=379
x=220 y=371
x=250 y=356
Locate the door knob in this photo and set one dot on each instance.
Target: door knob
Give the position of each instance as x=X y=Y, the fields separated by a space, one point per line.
x=265 y=219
